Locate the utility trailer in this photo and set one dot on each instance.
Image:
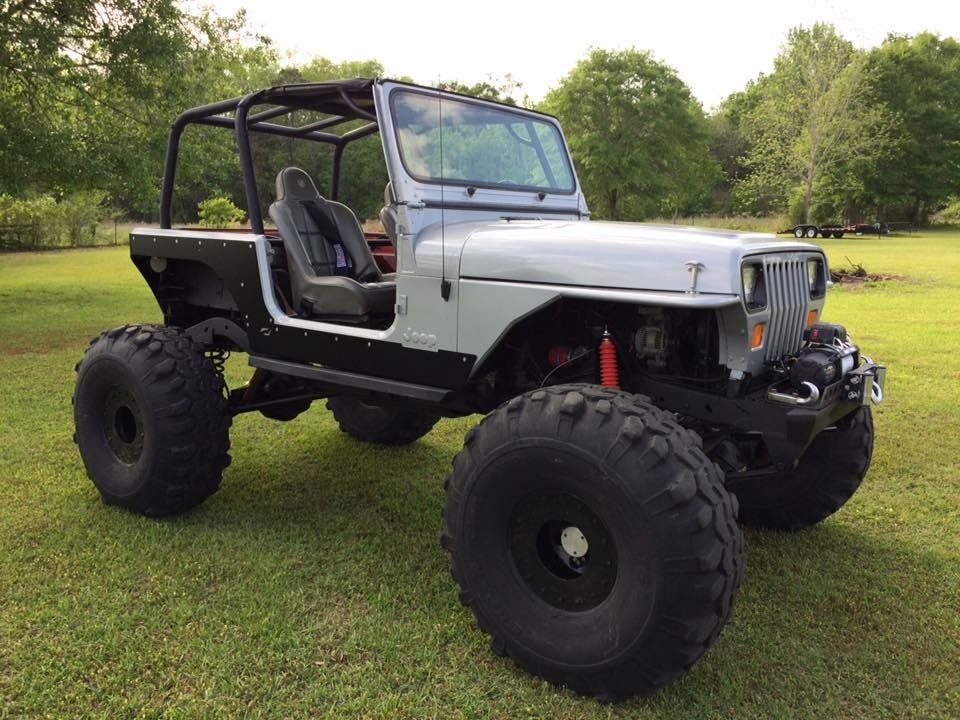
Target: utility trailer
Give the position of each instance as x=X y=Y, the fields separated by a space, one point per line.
x=809 y=230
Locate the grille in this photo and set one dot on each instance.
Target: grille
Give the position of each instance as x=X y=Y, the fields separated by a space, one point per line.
x=788 y=295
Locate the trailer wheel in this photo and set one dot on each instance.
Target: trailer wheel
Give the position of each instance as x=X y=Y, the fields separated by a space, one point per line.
x=838 y=234
x=592 y=539
x=824 y=234
x=811 y=231
x=151 y=419
x=798 y=231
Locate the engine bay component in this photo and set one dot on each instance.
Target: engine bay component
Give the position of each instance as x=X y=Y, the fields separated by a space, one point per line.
x=650 y=344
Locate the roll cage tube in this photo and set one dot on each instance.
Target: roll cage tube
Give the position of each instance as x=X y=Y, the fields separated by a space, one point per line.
x=329 y=98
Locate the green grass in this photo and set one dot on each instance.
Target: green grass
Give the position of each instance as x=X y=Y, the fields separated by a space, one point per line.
x=312 y=584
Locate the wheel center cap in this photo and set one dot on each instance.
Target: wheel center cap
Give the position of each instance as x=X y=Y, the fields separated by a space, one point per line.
x=573 y=542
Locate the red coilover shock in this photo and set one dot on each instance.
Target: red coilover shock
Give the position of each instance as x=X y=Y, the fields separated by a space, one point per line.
x=609 y=372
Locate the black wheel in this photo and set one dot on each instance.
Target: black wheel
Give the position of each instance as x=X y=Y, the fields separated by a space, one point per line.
x=798 y=231
x=380 y=424
x=838 y=235
x=811 y=231
x=592 y=539
x=828 y=474
x=824 y=234
x=151 y=419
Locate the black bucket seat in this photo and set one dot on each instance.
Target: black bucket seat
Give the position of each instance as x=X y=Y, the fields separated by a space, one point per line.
x=332 y=271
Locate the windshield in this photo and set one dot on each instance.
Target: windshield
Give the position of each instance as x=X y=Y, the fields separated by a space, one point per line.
x=482 y=145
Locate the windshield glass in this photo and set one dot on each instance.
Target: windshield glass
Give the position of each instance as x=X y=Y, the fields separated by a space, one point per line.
x=482 y=145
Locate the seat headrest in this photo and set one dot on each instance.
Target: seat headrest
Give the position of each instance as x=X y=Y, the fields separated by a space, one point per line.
x=294 y=184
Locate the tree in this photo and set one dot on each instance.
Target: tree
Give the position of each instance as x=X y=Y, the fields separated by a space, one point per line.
x=498 y=89
x=62 y=59
x=810 y=125
x=919 y=80
x=728 y=144
x=636 y=134
x=88 y=90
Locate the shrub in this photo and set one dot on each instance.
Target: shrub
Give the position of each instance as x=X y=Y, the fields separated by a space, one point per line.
x=72 y=221
x=950 y=214
x=218 y=212
x=80 y=213
x=39 y=213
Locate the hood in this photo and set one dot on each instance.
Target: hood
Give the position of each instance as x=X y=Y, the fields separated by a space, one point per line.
x=613 y=254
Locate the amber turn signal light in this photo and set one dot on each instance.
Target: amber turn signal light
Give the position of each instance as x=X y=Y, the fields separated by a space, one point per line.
x=757 y=339
x=811 y=318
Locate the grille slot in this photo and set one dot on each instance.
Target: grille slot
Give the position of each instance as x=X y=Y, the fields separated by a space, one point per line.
x=788 y=296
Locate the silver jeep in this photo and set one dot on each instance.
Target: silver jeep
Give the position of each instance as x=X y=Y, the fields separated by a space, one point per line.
x=645 y=388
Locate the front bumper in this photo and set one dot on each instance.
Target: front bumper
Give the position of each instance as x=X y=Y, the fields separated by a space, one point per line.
x=811 y=414
x=786 y=426
x=862 y=385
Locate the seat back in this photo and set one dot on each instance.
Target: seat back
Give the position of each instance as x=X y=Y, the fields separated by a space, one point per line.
x=388 y=215
x=321 y=237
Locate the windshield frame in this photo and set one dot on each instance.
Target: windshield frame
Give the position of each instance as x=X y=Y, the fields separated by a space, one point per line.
x=487 y=104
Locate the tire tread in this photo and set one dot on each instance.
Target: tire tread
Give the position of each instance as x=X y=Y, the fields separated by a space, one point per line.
x=702 y=518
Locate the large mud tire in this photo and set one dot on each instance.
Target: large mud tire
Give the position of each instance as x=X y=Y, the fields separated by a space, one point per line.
x=592 y=539
x=151 y=419
x=826 y=477
x=380 y=424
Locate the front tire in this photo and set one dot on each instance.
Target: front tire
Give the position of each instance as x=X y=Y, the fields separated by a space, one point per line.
x=151 y=419
x=592 y=539
x=380 y=424
x=826 y=477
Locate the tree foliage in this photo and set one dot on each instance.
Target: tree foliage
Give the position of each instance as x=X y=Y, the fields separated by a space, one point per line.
x=500 y=89
x=918 y=78
x=637 y=136
x=809 y=127
x=88 y=89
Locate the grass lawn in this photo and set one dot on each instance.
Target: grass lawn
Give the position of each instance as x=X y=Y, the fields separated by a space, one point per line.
x=313 y=585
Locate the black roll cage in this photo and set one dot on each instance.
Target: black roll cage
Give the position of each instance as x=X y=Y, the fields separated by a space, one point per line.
x=343 y=100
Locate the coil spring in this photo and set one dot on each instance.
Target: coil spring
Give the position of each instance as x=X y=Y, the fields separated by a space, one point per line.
x=218 y=357
x=609 y=371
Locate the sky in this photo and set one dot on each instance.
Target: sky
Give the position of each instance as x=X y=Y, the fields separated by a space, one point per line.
x=715 y=46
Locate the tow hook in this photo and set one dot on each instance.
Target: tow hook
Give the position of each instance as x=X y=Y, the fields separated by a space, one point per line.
x=789 y=399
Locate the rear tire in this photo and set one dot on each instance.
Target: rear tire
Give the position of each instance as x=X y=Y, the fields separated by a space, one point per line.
x=827 y=476
x=798 y=232
x=380 y=424
x=811 y=232
x=151 y=419
x=592 y=539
